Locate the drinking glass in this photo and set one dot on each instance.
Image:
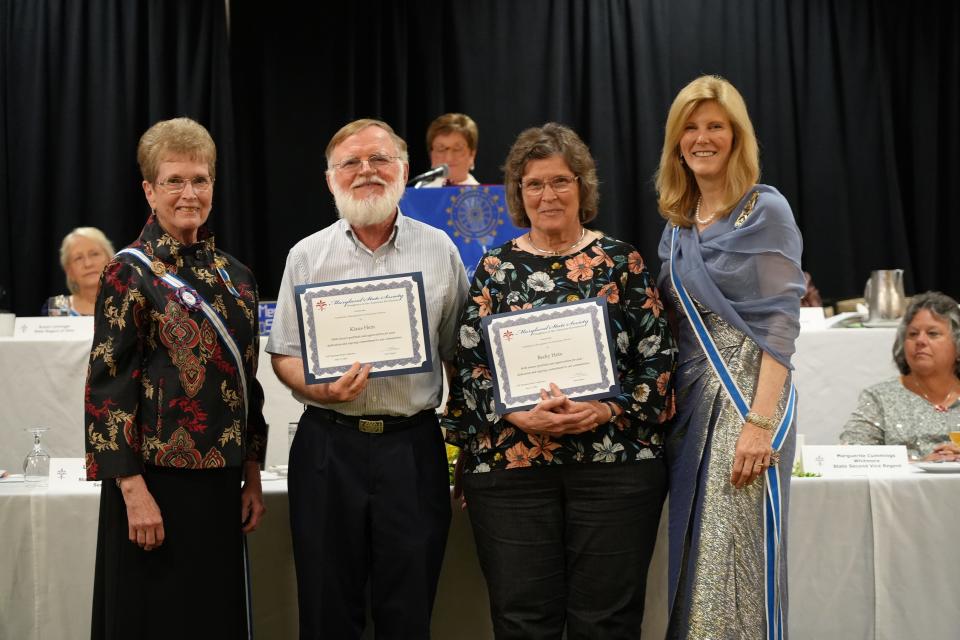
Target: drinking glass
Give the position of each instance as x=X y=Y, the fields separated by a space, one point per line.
x=36 y=466
x=291 y=433
x=955 y=437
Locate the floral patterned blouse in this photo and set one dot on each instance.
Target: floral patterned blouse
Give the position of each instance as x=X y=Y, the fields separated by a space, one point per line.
x=509 y=279
x=162 y=387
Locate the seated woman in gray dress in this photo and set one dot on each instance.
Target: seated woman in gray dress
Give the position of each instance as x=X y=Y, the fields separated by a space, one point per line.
x=921 y=407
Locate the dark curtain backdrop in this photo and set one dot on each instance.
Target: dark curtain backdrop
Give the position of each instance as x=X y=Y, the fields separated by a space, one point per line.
x=855 y=103
x=80 y=81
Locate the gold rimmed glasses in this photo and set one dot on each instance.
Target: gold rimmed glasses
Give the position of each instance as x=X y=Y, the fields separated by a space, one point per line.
x=200 y=184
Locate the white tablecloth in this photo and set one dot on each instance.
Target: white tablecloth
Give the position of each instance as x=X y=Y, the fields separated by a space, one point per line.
x=831 y=368
x=868 y=559
x=41 y=384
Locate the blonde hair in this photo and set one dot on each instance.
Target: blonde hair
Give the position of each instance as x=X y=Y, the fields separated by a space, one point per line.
x=357 y=126
x=454 y=123
x=538 y=143
x=677 y=189
x=91 y=233
x=176 y=137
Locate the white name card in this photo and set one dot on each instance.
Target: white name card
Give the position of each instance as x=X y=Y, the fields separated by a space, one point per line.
x=54 y=328
x=68 y=473
x=839 y=461
x=812 y=319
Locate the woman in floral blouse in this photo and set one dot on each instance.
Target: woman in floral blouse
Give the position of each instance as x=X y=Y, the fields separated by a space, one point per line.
x=565 y=498
x=174 y=417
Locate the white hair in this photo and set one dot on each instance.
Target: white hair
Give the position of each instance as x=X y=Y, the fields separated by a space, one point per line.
x=373 y=209
x=90 y=233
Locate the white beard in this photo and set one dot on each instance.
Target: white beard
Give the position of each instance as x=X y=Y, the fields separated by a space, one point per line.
x=372 y=210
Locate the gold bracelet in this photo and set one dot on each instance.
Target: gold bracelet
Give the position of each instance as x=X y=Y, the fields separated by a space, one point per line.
x=763 y=422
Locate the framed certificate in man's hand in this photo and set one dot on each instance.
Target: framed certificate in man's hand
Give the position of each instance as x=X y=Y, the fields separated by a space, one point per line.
x=567 y=344
x=378 y=321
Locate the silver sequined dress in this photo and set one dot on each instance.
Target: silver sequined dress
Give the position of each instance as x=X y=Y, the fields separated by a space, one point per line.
x=888 y=413
x=720 y=591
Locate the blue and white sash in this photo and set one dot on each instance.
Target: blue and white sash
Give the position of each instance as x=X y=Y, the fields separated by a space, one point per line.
x=772 y=515
x=175 y=283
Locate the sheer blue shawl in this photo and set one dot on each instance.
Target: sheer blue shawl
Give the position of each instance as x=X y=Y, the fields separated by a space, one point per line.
x=749 y=275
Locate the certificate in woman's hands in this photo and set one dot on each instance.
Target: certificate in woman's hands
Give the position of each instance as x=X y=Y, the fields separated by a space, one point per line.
x=378 y=321
x=567 y=344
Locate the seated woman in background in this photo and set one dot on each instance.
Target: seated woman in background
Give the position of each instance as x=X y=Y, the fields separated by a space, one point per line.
x=920 y=408
x=84 y=253
x=452 y=139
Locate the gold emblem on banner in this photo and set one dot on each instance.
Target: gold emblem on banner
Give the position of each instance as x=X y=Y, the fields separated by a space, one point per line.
x=159 y=269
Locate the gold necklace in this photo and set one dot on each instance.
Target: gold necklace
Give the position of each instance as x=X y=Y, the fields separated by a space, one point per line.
x=559 y=252
x=941 y=407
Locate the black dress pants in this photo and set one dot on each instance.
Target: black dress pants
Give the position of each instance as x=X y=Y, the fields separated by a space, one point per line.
x=367 y=507
x=567 y=547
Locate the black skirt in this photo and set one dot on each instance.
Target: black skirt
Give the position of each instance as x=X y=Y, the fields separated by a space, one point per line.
x=193 y=585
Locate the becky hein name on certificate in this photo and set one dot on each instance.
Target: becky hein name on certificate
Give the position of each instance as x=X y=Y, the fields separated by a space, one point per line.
x=566 y=344
x=379 y=321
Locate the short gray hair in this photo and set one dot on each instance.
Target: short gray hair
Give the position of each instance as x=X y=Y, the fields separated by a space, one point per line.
x=942 y=307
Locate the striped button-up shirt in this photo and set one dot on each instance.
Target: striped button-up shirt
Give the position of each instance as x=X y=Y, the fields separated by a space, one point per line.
x=335 y=253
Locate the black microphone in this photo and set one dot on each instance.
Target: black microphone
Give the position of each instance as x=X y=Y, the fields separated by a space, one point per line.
x=437 y=172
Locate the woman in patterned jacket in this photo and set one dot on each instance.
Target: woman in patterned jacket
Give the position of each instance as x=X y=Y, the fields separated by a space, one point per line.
x=174 y=425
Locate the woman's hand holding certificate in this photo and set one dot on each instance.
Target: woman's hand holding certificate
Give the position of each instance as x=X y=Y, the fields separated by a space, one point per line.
x=557 y=415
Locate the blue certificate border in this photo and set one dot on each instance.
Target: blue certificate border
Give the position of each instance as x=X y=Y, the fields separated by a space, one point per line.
x=421 y=340
x=601 y=333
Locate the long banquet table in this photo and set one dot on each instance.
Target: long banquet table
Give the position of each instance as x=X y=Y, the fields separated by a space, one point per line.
x=41 y=384
x=869 y=558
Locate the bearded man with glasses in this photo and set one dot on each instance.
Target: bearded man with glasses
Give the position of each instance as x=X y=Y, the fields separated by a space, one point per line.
x=369 y=506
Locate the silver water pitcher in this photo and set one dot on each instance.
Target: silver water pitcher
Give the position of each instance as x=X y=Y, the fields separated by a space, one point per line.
x=884 y=295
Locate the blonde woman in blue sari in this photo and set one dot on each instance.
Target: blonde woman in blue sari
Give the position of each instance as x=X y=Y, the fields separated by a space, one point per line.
x=731 y=274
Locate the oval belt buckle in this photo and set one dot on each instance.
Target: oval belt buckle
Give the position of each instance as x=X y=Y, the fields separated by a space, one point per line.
x=371 y=426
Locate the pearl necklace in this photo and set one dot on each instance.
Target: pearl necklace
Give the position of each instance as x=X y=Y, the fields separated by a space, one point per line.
x=559 y=252
x=941 y=407
x=696 y=213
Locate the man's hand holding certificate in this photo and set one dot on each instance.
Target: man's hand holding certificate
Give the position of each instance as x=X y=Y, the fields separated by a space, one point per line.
x=380 y=322
x=566 y=345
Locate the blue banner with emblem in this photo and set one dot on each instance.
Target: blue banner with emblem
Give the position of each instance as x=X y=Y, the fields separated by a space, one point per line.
x=475 y=217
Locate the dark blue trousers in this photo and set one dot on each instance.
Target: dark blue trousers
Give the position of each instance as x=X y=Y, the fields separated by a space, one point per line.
x=367 y=508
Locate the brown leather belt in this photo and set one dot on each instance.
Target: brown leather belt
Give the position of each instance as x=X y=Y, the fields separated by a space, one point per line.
x=373 y=424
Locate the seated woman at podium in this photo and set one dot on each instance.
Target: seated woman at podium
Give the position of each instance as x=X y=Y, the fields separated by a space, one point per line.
x=84 y=253
x=452 y=139
x=565 y=497
x=921 y=407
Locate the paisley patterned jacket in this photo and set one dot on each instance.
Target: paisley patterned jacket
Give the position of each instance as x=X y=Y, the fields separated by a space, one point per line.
x=162 y=388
